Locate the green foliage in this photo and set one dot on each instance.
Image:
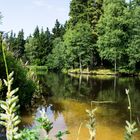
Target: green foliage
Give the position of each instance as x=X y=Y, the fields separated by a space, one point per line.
x=22 y=79
x=20 y=42
x=60 y=134
x=93 y=12
x=77 y=12
x=133 y=49
x=30 y=51
x=80 y=47
x=27 y=134
x=130 y=130
x=58 y=30
x=26 y=86
x=56 y=60
x=45 y=122
x=0 y=84
x=36 y=32
x=9 y=118
x=98 y=33
x=16 y=44
x=112 y=33
x=11 y=41
x=38 y=47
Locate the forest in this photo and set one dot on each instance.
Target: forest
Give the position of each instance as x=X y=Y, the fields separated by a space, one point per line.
x=98 y=34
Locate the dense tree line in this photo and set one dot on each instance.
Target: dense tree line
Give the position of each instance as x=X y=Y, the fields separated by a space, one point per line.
x=99 y=33
x=34 y=50
x=22 y=79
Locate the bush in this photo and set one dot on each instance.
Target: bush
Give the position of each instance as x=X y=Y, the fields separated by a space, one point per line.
x=22 y=80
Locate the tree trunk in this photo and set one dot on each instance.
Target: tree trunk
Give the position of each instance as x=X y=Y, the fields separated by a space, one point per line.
x=80 y=64
x=115 y=67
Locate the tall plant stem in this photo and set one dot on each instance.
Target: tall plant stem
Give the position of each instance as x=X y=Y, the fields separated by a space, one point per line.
x=4 y=58
x=130 y=106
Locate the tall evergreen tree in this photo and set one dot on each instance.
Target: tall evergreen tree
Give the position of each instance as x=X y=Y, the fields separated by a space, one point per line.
x=11 y=41
x=77 y=12
x=94 y=11
x=36 y=32
x=39 y=46
x=20 y=42
x=48 y=42
x=58 y=30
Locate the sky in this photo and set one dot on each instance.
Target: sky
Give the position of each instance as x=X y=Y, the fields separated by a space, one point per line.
x=27 y=14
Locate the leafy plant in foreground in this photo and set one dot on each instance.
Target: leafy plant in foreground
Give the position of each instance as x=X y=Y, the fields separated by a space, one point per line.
x=45 y=122
x=27 y=134
x=47 y=126
x=9 y=117
x=130 y=125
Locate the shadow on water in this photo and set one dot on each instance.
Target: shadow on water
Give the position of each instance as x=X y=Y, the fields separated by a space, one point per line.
x=71 y=95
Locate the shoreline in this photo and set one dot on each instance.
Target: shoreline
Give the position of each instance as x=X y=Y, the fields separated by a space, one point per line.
x=107 y=72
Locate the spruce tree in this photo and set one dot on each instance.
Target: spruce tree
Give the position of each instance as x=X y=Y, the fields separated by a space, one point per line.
x=20 y=42
x=94 y=11
x=77 y=12
x=58 y=30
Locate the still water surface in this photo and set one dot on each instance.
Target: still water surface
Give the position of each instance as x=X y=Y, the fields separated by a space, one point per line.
x=71 y=95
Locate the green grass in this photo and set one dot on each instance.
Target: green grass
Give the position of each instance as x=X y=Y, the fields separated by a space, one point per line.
x=92 y=72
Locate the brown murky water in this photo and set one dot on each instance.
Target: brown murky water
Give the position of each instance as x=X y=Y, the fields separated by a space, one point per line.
x=71 y=96
x=68 y=114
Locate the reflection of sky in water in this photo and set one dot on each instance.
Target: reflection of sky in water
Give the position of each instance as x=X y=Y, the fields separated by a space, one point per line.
x=66 y=109
x=59 y=121
x=110 y=120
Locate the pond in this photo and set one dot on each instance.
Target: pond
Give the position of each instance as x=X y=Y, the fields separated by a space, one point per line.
x=71 y=95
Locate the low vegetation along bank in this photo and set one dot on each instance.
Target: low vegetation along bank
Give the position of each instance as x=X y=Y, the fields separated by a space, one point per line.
x=102 y=72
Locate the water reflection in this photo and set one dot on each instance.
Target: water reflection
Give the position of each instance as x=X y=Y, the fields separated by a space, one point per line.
x=92 y=88
x=68 y=114
x=71 y=96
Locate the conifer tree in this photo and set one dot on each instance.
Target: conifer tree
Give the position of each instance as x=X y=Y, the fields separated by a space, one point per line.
x=58 y=30
x=20 y=42
x=77 y=12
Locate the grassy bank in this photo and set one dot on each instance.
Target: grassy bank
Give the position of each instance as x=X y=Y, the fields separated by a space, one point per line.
x=103 y=72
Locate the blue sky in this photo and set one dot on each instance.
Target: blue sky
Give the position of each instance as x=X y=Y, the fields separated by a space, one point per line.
x=27 y=14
